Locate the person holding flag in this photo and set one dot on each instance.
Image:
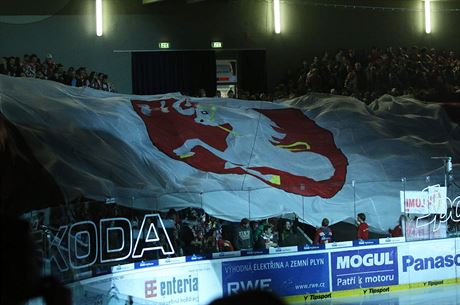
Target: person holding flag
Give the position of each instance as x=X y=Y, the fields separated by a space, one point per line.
x=323 y=234
x=363 y=227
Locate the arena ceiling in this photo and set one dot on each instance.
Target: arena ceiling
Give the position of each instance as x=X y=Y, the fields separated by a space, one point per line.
x=70 y=7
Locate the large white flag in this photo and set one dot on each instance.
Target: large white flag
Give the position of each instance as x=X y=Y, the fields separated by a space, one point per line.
x=316 y=156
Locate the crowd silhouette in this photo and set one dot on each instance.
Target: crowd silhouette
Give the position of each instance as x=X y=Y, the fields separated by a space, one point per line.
x=427 y=74
x=32 y=66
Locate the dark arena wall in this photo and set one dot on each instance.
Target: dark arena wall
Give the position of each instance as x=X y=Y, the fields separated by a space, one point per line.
x=308 y=28
x=396 y=144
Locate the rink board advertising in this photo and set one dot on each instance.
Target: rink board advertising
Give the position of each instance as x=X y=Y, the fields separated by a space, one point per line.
x=184 y=283
x=286 y=275
x=364 y=268
x=422 y=261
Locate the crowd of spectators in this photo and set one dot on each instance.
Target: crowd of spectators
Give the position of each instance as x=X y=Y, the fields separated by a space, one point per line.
x=427 y=74
x=254 y=96
x=32 y=66
x=191 y=230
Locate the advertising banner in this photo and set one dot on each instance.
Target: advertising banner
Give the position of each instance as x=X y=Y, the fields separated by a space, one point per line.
x=424 y=228
x=437 y=203
x=427 y=261
x=364 y=268
x=457 y=251
x=182 y=284
x=305 y=276
x=414 y=202
x=431 y=200
x=286 y=275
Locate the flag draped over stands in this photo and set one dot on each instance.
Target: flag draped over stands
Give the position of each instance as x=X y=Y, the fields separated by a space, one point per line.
x=316 y=156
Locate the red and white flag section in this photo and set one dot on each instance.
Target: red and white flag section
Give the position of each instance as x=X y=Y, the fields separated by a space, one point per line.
x=233 y=158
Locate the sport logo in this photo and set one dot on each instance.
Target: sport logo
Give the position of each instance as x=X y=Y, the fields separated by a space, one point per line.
x=154 y=288
x=203 y=136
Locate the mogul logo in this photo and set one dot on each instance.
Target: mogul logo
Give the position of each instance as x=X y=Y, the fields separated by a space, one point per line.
x=367 y=260
x=169 y=287
x=364 y=268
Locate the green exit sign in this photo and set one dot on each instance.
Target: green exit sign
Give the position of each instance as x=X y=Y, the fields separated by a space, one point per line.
x=216 y=44
x=163 y=45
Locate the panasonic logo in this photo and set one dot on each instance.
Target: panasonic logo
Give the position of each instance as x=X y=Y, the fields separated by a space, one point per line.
x=425 y=263
x=367 y=260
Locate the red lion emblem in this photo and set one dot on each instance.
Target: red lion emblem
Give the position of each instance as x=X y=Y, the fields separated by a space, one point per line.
x=177 y=128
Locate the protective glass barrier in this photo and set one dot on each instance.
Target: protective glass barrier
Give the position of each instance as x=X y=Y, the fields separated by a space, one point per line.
x=89 y=238
x=430 y=208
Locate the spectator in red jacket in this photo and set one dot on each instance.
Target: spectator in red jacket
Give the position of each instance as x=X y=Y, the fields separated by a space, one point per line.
x=397 y=231
x=324 y=233
x=363 y=228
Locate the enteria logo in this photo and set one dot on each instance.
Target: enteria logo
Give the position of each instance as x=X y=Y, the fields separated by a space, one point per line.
x=168 y=287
